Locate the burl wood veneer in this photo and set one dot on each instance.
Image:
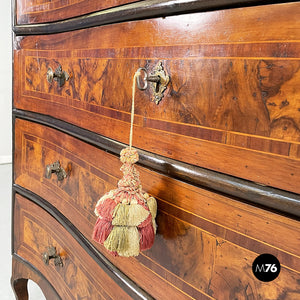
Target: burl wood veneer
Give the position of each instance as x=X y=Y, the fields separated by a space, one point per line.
x=220 y=152
x=231 y=105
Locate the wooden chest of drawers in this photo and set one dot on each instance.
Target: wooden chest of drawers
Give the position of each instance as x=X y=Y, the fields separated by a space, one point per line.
x=220 y=151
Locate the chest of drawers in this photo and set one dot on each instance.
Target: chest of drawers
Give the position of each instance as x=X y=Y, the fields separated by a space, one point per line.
x=220 y=151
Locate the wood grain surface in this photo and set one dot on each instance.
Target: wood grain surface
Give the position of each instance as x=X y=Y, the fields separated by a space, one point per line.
x=132 y=11
x=79 y=277
x=232 y=103
x=206 y=242
x=39 y=11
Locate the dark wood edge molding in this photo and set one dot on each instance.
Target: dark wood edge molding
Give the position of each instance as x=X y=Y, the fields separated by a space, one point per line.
x=134 y=11
x=35 y=270
x=130 y=287
x=250 y=192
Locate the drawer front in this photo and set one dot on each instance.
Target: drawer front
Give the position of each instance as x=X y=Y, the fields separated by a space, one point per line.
x=232 y=104
x=79 y=277
x=41 y=11
x=205 y=244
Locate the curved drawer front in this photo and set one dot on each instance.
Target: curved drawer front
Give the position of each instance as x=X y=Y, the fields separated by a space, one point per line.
x=198 y=251
x=78 y=277
x=231 y=104
x=40 y=11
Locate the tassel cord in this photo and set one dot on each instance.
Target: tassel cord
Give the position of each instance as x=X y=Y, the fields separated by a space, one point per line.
x=137 y=73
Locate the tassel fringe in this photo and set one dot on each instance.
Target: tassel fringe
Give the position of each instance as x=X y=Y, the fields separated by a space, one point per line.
x=129 y=215
x=124 y=241
x=102 y=230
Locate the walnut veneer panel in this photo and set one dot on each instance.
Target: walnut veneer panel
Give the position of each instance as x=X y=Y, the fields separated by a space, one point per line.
x=232 y=103
x=79 y=277
x=39 y=11
x=206 y=242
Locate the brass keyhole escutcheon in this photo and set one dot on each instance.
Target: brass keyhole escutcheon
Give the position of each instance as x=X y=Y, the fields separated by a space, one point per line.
x=57 y=169
x=52 y=254
x=58 y=75
x=159 y=80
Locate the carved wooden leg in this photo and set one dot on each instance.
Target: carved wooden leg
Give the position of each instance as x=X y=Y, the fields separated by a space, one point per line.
x=21 y=272
x=19 y=287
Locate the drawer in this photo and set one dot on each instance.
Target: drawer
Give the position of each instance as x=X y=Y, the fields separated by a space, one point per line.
x=41 y=11
x=205 y=244
x=231 y=104
x=93 y=172
x=79 y=277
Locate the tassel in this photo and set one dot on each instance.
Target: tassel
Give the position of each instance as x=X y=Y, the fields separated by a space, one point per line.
x=152 y=204
x=129 y=215
x=124 y=241
x=126 y=215
x=147 y=237
x=105 y=208
x=147 y=232
x=102 y=230
x=117 y=239
x=133 y=246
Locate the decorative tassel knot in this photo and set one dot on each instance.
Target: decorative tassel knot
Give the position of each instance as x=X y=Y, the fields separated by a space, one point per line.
x=129 y=155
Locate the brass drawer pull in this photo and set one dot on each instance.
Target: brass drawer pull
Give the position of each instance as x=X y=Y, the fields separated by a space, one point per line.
x=58 y=75
x=58 y=170
x=51 y=254
x=159 y=81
